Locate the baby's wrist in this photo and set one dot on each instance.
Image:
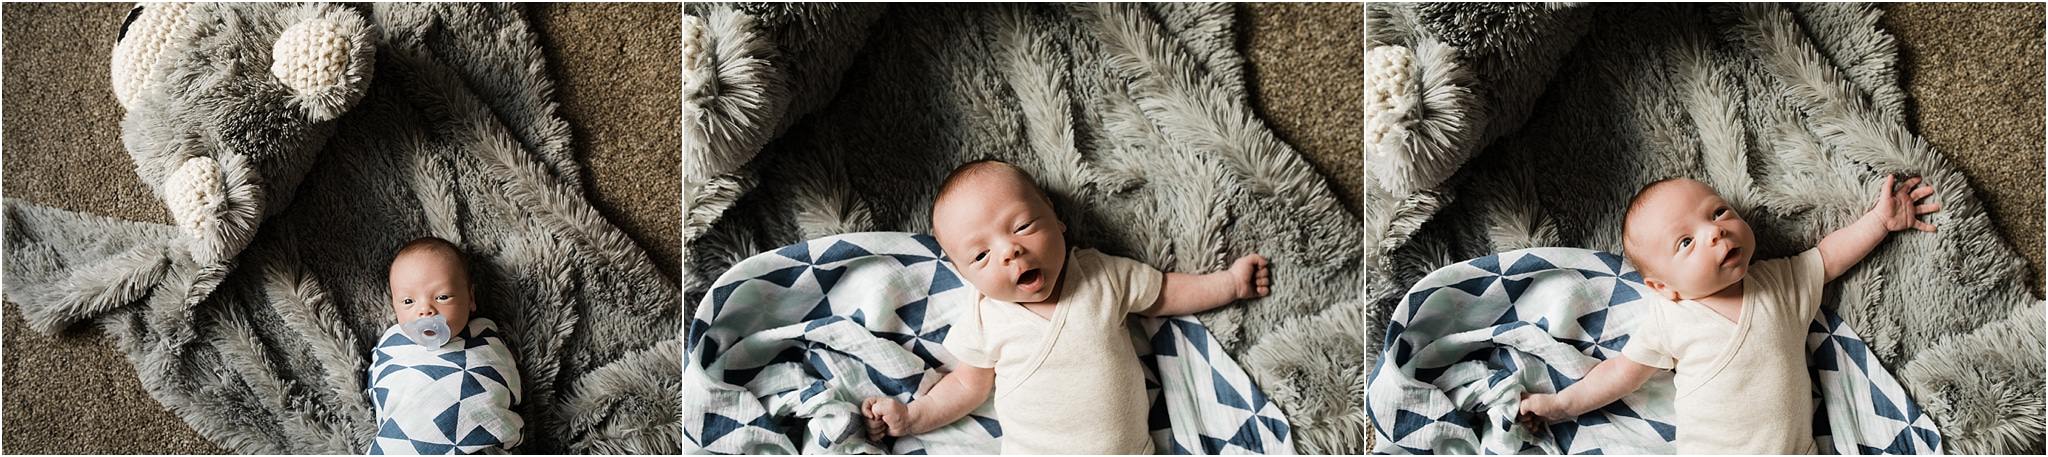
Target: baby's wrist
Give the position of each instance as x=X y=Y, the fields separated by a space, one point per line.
x=913 y=417
x=1876 y=219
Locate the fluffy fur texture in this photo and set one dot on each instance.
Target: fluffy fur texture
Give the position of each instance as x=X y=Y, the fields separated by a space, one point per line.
x=1135 y=119
x=256 y=328
x=1792 y=112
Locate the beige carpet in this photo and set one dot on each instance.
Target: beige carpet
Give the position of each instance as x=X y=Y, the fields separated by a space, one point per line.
x=1307 y=75
x=1974 y=73
x=619 y=86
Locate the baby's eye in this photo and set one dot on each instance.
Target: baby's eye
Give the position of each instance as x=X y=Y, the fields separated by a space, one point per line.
x=1720 y=211
x=1020 y=228
x=443 y=297
x=406 y=301
x=978 y=256
x=1685 y=242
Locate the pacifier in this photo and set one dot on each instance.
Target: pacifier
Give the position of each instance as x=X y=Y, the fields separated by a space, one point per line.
x=428 y=331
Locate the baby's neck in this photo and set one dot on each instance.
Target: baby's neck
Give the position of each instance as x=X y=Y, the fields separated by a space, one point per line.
x=1727 y=301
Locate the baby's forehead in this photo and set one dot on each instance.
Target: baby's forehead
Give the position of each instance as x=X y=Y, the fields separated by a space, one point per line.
x=428 y=260
x=986 y=188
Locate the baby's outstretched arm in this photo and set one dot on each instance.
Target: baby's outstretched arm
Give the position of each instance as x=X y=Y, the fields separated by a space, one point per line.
x=1189 y=294
x=1897 y=209
x=956 y=394
x=1607 y=382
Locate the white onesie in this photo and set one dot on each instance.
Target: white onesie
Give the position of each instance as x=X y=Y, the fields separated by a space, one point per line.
x=1742 y=386
x=1071 y=384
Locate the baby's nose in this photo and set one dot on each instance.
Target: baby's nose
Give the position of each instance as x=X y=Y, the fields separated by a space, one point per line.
x=426 y=311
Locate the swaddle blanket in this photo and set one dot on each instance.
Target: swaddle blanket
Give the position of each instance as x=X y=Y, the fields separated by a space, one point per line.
x=1470 y=338
x=456 y=398
x=787 y=344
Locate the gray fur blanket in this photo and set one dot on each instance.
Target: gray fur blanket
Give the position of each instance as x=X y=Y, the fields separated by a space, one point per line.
x=1494 y=127
x=803 y=121
x=297 y=146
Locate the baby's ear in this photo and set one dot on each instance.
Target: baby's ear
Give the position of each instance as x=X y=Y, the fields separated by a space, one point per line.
x=1662 y=289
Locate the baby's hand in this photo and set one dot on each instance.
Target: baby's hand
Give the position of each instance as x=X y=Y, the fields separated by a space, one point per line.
x=886 y=417
x=1253 y=280
x=1541 y=409
x=1896 y=205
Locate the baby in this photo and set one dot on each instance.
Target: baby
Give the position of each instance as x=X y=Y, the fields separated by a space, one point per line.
x=1048 y=334
x=1736 y=333
x=448 y=389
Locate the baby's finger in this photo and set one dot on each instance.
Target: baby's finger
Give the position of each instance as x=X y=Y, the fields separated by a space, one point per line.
x=1265 y=290
x=1923 y=226
x=1890 y=187
x=1922 y=192
x=1910 y=183
x=1926 y=208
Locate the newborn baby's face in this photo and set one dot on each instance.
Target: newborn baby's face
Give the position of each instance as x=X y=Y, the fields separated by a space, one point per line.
x=1688 y=242
x=426 y=284
x=1002 y=237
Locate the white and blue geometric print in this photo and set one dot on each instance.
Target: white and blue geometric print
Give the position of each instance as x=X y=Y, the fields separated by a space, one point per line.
x=787 y=344
x=453 y=399
x=1881 y=419
x=1470 y=338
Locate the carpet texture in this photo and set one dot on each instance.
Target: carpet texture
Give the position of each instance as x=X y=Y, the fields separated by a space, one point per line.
x=1974 y=71
x=97 y=165
x=1305 y=69
x=805 y=121
x=1498 y=127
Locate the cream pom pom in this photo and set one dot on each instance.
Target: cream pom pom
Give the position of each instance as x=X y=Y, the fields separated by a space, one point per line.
x=1391 y=93
x=142 y=42
x=193 y=194
x=326 y=61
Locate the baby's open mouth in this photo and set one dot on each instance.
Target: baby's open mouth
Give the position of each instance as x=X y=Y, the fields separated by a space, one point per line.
x=1030 y=280
x=1734 y=256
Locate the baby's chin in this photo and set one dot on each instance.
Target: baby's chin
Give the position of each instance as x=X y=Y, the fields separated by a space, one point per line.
x=1021 y=298
x=1012 y=295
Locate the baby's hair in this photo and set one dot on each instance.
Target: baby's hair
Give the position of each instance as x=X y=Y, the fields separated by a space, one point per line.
x=1635 y=202
x=977 y=168
x=436 y=245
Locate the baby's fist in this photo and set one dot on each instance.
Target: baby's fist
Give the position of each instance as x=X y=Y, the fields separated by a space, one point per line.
x=1540 y=409
x=1253 y=279
x=886 y=417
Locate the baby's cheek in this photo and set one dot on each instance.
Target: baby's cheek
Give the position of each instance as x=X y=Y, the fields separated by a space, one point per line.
x=978 y=281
